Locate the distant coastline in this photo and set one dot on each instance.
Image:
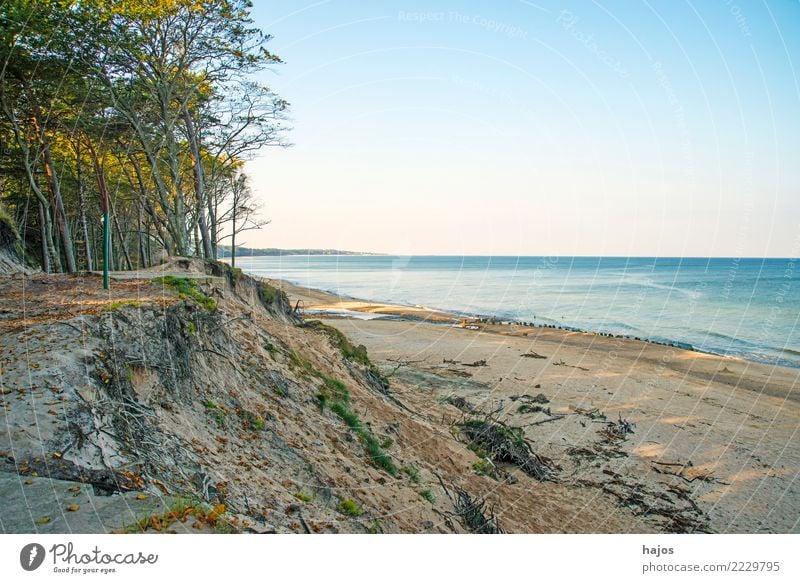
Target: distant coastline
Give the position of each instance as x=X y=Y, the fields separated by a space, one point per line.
x=224 y=252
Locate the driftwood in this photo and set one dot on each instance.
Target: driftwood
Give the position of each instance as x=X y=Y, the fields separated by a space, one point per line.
x=617 y=431
x=471 y=512
x=562 y=363
x=475 y=364
x=104 y=481
x=461 y=404
x=532 y=354
x=503 y=444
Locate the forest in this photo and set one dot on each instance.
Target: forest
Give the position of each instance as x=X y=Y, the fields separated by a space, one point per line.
x=136 y=114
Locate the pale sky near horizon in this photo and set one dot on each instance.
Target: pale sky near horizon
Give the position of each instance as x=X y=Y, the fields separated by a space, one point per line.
x=522 y=128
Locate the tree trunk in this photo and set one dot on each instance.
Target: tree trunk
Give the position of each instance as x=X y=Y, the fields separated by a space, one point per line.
x=45 y=252
x=199 y=182
x=82 y=208
x=121 y=238
x=140 y=240
x=233 y=231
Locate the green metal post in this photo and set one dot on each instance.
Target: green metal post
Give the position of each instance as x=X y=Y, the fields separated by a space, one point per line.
x=106 y=240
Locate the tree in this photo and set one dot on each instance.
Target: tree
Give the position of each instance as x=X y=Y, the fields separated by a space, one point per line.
x=149 y=108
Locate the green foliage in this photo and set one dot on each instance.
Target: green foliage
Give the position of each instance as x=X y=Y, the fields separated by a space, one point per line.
x=428 y=495
x=154 y=85
x=216 y=411
x=191 y=327
x=483 y=467
x=350 y=508
x=412 y=473
x=120 y=304
x=270 y=295
x=350 y=418
x=187 y=289
x=7 y=220
x=376 y=453
x=303 y=496
x=298 y=361
x=250 y=420
x=336 y=387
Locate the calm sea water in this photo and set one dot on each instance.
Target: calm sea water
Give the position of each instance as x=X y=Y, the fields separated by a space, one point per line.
x=742 y=307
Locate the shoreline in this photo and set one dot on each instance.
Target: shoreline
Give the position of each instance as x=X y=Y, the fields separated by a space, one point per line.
x=331 y=304
x=757 y=377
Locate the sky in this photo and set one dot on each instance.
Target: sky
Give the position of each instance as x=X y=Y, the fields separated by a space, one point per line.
x=511 y=127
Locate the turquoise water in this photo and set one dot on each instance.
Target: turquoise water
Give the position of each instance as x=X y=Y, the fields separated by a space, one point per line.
x=742 y=307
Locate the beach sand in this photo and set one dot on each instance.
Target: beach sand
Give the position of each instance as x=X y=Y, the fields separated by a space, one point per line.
x=713 y=438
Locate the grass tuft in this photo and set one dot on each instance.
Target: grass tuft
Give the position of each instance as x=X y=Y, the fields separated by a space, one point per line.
x=350 y=507
x=120 y=304
x=303 y=496
x=187 y=289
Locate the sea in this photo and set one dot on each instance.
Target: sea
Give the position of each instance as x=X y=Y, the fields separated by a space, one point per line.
x=743 y=307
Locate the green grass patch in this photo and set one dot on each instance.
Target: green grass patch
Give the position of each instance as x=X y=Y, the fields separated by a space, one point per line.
x=337 y=388
x=347 y=415
x=350 y=507
x=216 y=411
x=298 y=361
x=120 y=304
x=187 y=289
x=270 y=295
x=428 y=495
x=412 y=473
x=483 y=467
x=376 y=453
x=303 y=496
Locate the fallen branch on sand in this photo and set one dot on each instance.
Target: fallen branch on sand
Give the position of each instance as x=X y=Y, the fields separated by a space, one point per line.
x=106 y=481
x=471 y=512
x=532 y=354
x=503 y=444
x=475 y=364
x=562 y=363
x=703 y=477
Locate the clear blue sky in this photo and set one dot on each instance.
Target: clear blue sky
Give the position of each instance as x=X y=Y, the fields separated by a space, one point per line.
x=514 y=127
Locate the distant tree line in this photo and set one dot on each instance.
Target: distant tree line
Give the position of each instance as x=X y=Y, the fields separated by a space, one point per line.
x=145 y=108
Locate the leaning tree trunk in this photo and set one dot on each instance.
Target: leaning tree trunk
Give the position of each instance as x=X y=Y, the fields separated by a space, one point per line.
x=82 y=208
x=120 y=236
x=45 y=251
x=199 y=183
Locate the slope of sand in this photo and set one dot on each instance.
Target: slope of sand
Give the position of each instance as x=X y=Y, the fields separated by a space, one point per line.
x=715 y=434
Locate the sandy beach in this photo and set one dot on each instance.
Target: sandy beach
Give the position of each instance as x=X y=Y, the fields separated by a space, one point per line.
x=718 y=434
